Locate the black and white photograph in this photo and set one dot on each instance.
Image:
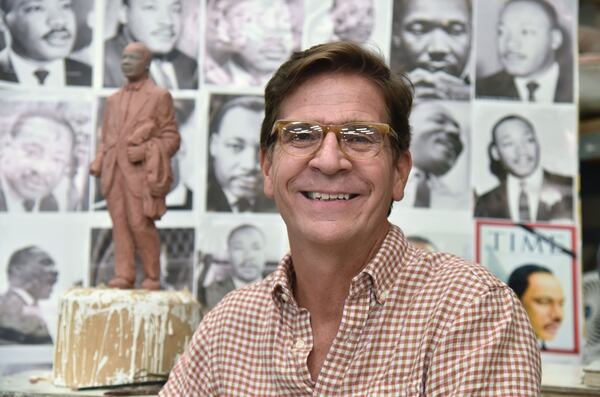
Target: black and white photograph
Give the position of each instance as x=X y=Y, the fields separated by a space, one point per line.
x=528 y=161
x=440 y=149
x=431 y=43
x=352 y=20
x=46 y=43
x=44 y=154
x=37 y=265
x=234 y=176
x=235 y=253
x=525 y=50
x=176 y=258
x=247 y=40
x=170 y=30
x=538 y=262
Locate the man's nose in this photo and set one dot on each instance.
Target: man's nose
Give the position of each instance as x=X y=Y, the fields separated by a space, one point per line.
x=56 y=17
x=330 y=159
x=248 y=159
x=438 y=46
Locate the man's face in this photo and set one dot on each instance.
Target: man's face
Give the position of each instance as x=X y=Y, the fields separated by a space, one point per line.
x=234 y=149
x=436 y=138
x=516 y=146
x=261 y=33
x=543 y=301
x=37 y=157
x=247 y=254
x=354 y=194
x=133 y=63
x=436 y=35
x=353 y=19
x=156 y=23
x=526 y=39
x=42 y=30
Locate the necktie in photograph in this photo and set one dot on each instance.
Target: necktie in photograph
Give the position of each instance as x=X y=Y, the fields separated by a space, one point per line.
x=523 y=205
x=423 y=194
x=532 y=87
x=28 y=205
x=41 y=75
x=243 y=205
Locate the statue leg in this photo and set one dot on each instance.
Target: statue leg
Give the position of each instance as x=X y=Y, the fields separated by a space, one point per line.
x=122 y=236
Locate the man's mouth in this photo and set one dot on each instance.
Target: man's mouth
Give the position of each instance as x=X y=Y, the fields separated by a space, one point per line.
x=513 y=56
x=164 y=33
x=57 y=37
x=328 y=196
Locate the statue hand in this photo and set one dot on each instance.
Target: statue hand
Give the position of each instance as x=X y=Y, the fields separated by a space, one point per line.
x=136 y=153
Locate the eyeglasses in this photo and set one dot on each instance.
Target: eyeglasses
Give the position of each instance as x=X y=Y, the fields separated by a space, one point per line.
x=357 y=140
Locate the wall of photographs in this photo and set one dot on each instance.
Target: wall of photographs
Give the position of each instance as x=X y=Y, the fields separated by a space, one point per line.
x=494 y=144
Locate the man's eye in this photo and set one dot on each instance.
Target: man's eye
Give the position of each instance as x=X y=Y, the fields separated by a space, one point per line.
x=456 y=29
x=235 y=147
x=33 y=8
x=417 y=28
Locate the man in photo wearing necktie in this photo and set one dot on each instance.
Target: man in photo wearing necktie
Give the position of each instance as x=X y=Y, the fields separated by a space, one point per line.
x=527 y=192
x=41 y=35
x=37 y=153
x=234 y=177
x=139 y=138
x=157 y=24
x=532 y=49
x=438 y=142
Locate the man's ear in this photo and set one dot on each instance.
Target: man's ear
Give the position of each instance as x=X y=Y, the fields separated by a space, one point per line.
x=401 y=171
x=265 y=166
x=212 y=145
x=556 y=38
x=494 y=152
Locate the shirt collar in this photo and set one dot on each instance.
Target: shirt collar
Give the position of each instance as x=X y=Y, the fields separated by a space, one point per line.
x=136 y=85
x=546 y=81
x=27 y=298
x=380 y=273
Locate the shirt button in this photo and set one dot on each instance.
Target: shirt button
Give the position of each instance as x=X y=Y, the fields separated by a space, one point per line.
x=285 y=298
x=300 y=344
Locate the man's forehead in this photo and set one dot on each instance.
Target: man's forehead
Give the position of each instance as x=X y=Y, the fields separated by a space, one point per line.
x=434 y=10
x=527 y=12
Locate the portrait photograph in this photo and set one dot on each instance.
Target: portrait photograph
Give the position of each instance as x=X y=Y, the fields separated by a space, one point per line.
x=247 y=40
x=359 y=21
x=44 y=154
x=431 y=43
x=440 y=149
x=37 y=266
x=234 y=179
x=528 y=162
x=525 y=50
x=46 y=46
x=234 y=252
x=176 y=258
x=169 y=28
x=539 y=263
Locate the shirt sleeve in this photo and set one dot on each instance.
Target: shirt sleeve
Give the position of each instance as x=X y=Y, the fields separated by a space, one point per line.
x=489 y=350
x=192 y=374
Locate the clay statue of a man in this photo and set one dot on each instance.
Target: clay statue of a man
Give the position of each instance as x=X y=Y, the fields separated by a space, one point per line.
x=139 y=137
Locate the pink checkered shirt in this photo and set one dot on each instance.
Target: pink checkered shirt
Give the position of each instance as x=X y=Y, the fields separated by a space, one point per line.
x=415 y=323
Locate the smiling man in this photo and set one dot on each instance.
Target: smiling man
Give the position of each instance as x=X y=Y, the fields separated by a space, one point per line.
x=529 y=39
x=42 y=34
x=157 y=24
x=354 y=309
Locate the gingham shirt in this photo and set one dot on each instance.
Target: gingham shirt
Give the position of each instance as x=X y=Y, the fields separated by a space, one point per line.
x=415 y=323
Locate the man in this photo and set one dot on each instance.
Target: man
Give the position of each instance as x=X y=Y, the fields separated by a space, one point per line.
x=157 y=24
x=529 y=40
x=41 y=37
x=37 y=155
x=527 y=192
x=234 y=177
x=431 y=41
x=31 y=278
x=354 y=309
x=543 y=299
x=256 y=36
x=437 y=145
x=246 y=252
x=353 y=20
x=139 y=137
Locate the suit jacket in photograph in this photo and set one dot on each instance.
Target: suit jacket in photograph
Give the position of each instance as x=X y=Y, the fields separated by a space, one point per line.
x=186 y=68
x=502 y=85
x=19 y=324
x=556 y=200
x=216 y=201
x=47 y=203
x=76 y=73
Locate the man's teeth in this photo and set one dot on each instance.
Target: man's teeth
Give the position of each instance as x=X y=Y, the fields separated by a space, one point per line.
x=327 y=196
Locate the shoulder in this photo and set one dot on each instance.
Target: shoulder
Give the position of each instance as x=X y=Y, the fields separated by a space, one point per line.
x=558 y=179
x=179 y=58
x=72 y=64
x=495 y=84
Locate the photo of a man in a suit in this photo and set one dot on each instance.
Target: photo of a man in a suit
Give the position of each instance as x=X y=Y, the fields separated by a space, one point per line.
x=234 y=176
x=526 y=192
x=533 y=52
x=41 y=35
x=31 y=277
x=157 y=24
